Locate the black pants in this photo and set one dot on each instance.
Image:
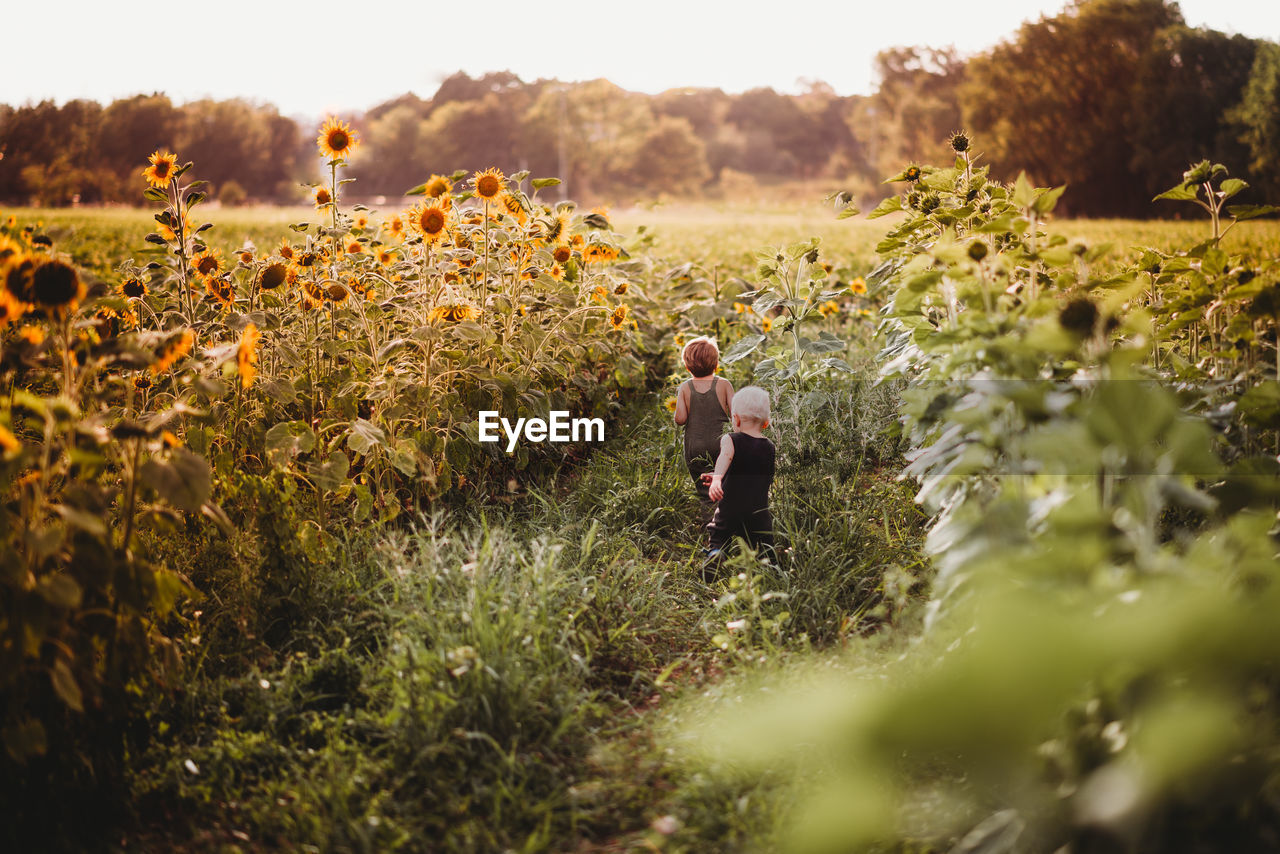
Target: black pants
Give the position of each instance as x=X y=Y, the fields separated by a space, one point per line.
x=756 y=530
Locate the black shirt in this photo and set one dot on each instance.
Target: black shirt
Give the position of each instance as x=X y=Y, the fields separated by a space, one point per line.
x=746 y=483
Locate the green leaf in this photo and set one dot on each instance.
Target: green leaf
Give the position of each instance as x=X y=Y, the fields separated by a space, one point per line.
x=60 y=590
x=364 y=436
x=330 y=474
x=539 y=183
x=419 y=190
x=184 y=481
x=286 y=440
x=1243 y=212
x=1180 y=193
x=888 y=206
x=1260 y=405
x=64 y=684
x=1024 y=195
x=742 y=348
x=1231 y=187
x=1048 y=200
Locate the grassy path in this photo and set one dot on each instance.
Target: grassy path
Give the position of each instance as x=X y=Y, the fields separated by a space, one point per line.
x=498 y=679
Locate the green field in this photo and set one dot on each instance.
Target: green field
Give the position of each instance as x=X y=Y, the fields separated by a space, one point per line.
x=426 y=647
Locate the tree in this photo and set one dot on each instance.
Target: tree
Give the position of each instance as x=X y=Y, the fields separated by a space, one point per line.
x=1056 y=100
x=671 y=159
x=1256 y=120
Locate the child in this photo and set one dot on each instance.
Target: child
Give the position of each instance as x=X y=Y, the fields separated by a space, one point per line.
x=702 y=406
x=741 y=480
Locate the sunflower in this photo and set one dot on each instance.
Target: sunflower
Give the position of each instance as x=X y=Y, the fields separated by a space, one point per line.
x=670 y=404
x=354 y=247
x=169 y=439
x=10 y=308
x=619 y=317
x=362 y=222
x=558 y=227
x=621 y=288
x=336 y=140
x=246 y=257
x=489 y=184
x=828 y=308
x=133 y=288
x=556 y=272
x=431 y=221
x=142 y=382
x=307 y=259
x=336 y=292
x=512 y=205
x=562 y=253
x=9 y=442
x=438 y=185
x=858 y=286
x=221 y=290
x=322 y=197
x=174 y=348
x=912 y=173
x=312 y=294
x=18 y=279
x=864 y=312
x=286 y=250
x=247 y=355
x=160 y=172
x=395 y=226
x=454 y=312
x=528 y=274
x=33 y=335
x=207 y=263
x=386 y=256
x=599 y=253
x=599 y=294
x=766 y=324
x=56 y=285
x=273 y=275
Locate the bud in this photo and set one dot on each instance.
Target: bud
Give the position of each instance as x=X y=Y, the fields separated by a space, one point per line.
x=978 y=250
x=959 y=142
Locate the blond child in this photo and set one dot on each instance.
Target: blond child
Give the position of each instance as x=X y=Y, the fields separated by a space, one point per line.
x=741 y=479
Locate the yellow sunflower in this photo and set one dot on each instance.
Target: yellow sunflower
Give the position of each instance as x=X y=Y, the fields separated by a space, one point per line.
x=56 y=286
x=619 y=317
x=670 y=404
x=336 y=140
x=222 y=291
x=859 y=285
x=160 y=172
x=247 y=355
x=9 y=442
x=556 y=272
x=438 y=185
x=511 y=204
x=395 y=226
x=207 y=263
x=431 y=221
x=322 y=197
x=286 y=250
x=489 y=184
x=621 y=288
x=599 y=294
x=273 y=276
x=766 y=324
x=173 y=349
x=562 y=253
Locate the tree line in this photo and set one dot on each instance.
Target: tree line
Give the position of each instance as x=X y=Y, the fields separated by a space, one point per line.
x=1114 y=97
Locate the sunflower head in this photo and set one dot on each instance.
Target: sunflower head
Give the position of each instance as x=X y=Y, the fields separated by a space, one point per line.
x=286 y=250
x=511 y=204
x=164 y=166
x=207 y=263
x=395 y=226
x=323 y=198
x=912 y=173
x=431 y=221
x=174 y=348
x=562 y=253
x=336 y=140
x=273 y=275
x=619 y=317
x=859 y=285
x=599 y=294
x=354 y=247
x=221 y=290
x=133 y=288
x=670 y=404
x=437 y=186
x=18 y=279
x=766 y=324
x=247 y=355
x=959 y=142
x=56 y=286
x=489 y=184
x=621 y=288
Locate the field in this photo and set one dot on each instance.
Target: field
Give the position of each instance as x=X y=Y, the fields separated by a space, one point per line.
x=264 y=590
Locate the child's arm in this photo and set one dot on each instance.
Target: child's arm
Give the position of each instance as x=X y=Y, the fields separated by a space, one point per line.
x=716 y=492
x=725 y=388
x=682 y=405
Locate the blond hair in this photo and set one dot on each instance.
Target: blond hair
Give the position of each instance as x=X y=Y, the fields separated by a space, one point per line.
x=752 y=403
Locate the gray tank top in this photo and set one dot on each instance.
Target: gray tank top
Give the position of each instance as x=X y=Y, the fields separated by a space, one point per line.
x=705 y=424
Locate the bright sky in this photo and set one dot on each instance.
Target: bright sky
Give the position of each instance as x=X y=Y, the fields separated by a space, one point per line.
x=320 y=56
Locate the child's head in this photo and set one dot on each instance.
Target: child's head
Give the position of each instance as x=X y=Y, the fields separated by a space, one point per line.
x=751 y=406
x=701 y=356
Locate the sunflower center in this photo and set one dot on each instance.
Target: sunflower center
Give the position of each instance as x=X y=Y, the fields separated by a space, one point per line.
x=488 y=186
x=432 y=222
x=338 y=140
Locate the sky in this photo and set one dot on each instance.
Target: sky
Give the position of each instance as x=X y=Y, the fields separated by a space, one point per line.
x=322 y=56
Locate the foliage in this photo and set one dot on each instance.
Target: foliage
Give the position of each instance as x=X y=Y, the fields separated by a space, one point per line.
x=1095 y=668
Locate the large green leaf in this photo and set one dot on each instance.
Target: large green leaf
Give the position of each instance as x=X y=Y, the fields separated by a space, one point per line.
x=185 y=480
